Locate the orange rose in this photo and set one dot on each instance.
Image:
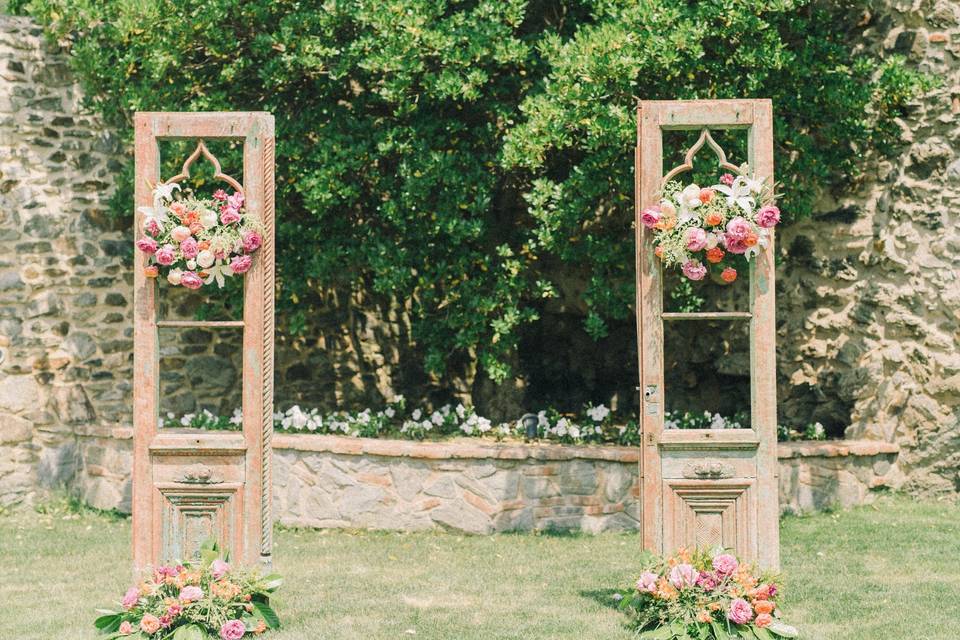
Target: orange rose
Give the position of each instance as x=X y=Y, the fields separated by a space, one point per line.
x=763 y=606
x=706 y=195
x=728 y=275
x=195 y=228
x=658 y=252
x=751 y=239
x=178 y=209
x=203 y=245
x=666 y=223
x=260 y=628
x=713 y=219
x=763 y=620
x=152 y=271
x=715 y=255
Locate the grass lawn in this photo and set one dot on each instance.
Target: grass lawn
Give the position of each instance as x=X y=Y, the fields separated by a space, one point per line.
x=887 y=571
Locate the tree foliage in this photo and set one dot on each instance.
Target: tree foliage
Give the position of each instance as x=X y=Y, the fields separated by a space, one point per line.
x=444 y=152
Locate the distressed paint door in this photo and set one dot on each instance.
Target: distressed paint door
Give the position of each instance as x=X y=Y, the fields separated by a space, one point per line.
x=190 y=485
x=706 y=487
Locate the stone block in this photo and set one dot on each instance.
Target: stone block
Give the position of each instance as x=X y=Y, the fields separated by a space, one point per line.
x=19 y=393
x=579 y=478
x=460 y=516
x=14 y=429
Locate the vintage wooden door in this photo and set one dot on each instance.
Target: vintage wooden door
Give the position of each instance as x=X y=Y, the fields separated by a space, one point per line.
x=190 y=485
x=706 y=487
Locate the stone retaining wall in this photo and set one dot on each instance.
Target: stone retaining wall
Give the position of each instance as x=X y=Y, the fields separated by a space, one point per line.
x=483 y=487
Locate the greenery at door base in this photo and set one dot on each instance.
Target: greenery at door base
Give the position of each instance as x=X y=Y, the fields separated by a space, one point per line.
x=458 y=155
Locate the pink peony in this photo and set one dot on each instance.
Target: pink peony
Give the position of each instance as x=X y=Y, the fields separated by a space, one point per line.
x=725 y=564
x=152 y=227
x=125 y=628
x=235 y=201
x=130 y=598
x=189 y=248
x=147 y=245
x=180 y=233
x=219 y=568
x=650 y=216
x=740 y=611
x=190 y=280
x=234 y=630
x=190 y=593
x=683 y=575
x=694 y=270
x=696 y=239
x=768 y=216
x=241 y=264
x=726 y=179
x=647 y=583
x=251 y=241
x=229 y=215
x=165 y=255
x=219 y=194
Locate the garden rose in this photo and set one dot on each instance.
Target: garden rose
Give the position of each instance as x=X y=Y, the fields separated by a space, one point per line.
x=768 y=216
x=763 y=606
x=713 y=218
x=180 y=233
x=152 y=271
x=191 y=280
x=728 y=275
x=152 y=227
x=191 y=593
x=763 y=620
x=647 y=583
x=715 y=255
x=174 y=277
x=694 y=270
x=704 y=616
x=149 y=623
x=130 y=598
x=125 y=628
x=147 y=245
x=726 y=179
x=725 y=564
x=707 y=581
x=220 y=194
x=706 y=195
x=650 y=216
x=232 y=630
x=178 y=209
x=740 y=611
x=235 y=201
x=241 y=264
x=683 y=576
x=165 y=255
x=696 y=239
x=229 y=215
x=219 y=568
x=189 y=248
x=251 y=241
x=738 y=228
x=196 y=228
x=208 y=219
x=205 y=258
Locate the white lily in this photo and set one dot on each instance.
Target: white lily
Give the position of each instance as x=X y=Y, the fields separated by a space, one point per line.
x=218 y=272
x=164 y=191
x=737 y=194
x=689 y=200
x=157 y=212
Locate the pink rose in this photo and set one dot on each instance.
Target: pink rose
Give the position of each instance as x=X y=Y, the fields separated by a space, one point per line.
x=683 y=575
x=180 y=233
x=147 y=245
x=694 y=270
x=768 y=216
x=235 y=201
x=190 y=593
x=251 y=241
x=234 y=630
x=696 y=239
x=152 y=227
x=650 y=216
x=165 y=255
x=740 y=611
x=229 y=215
x=130 y=598
x=738 y=228
x=189 y=248
x=241 y=264
x=174 y=610
x=165 y=620
x=219 y=194
x=725 y=564
x=726 y=179
x=191 y=280
x=707 y=581
x=219 y=568
x=149 y=623
x=647 y=583
x=125 y=628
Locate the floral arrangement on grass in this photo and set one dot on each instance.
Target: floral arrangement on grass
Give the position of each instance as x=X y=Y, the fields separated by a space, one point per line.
x=712 y=230
x=194 y=601
x=193 y=242
x=700 y=595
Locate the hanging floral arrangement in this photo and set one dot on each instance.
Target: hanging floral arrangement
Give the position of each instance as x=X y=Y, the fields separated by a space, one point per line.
x=712 y=230
x=193 y=241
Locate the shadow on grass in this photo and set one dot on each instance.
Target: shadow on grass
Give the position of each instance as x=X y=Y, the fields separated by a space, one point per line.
x=604 y=597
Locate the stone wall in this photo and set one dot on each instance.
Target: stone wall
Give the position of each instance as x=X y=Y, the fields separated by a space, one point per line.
x=482 y=487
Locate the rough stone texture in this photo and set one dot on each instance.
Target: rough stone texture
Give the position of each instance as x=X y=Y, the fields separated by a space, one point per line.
x=482 y=487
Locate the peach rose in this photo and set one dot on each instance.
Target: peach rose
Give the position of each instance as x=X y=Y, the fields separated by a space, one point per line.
x=125 y=628
x=763 y=606
x=149 y=623
x=704 y=616
x=152 y=271
x=180 y=233
x=728 y=275
x=178 y=209
x=763 y=620
x=706 y=195
x=715 y=255
x=713 y=218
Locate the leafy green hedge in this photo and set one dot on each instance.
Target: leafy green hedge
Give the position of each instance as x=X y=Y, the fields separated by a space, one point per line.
x=456 y=153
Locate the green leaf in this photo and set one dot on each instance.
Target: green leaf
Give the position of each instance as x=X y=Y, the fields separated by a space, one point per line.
x=718 y=631
x=660 y=633
x=268 y=614
x=108 y=623
x=761 y=633
x=189 y=632
x=272 y=582
x=783 y=630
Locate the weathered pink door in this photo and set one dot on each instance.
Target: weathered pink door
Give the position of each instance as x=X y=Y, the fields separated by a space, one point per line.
x=192 y=485
x=704 y=487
